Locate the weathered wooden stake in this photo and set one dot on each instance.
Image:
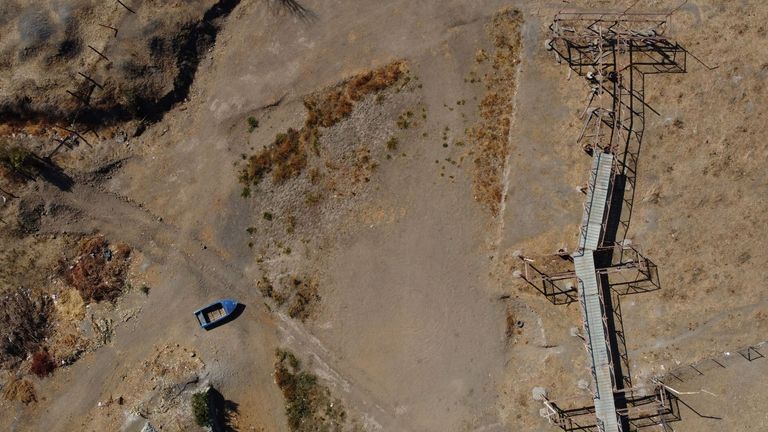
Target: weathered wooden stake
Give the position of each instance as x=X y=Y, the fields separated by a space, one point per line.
x=123 y=5
x=78 y=97
x=99 y=53
x=91 y=80
x=109 y=27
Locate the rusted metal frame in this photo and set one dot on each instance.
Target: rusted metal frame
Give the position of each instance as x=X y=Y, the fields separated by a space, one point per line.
x=750 y=354
x=621 y=345
x=555 y=293
x=72 y=131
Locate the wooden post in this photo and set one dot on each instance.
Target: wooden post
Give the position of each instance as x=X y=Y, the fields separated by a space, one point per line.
x=109 y=27
x=78 y=97
x=93 y=131
x=123 y=5
x=99 y=53
x=76 y=133
x=91 y=80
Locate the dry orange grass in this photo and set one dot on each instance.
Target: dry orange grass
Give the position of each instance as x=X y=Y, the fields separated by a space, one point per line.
x=70 y=305
x=490 y=136
x=286 y=157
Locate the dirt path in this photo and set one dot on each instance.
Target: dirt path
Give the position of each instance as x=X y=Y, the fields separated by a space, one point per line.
x=119 y=219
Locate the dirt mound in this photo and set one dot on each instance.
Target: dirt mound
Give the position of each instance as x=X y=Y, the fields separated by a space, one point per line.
x=101 y=63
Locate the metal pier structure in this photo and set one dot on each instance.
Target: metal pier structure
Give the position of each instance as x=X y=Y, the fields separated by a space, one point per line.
x=590 y=293
x=613 y=52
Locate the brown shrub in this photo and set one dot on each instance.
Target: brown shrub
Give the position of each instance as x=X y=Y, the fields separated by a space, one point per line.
x=24 y=325
x=305 y=297
x=42 y=364
x=20 y=390
x=98 y=272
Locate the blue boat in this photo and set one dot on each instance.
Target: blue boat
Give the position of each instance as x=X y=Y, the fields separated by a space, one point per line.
x=216 y=313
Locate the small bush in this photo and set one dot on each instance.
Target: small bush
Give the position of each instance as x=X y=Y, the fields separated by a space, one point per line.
x=392 y=143
x=42 y=364
x=18 y=159
x=145 y=290
x=252 y=124
x=200 y=408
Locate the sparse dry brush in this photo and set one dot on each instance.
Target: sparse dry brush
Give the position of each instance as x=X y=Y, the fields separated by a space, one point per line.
x=287 y=156
x=25 y=323
x=491 y=134
x=300 y=294
x=98 y=272
x=309 y=405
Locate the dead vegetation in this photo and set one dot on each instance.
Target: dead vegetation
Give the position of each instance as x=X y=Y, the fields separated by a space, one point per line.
x=490 y=136
x=298 y=295
x=287 y=156
x=309 y=405
x=25 y=323
x=19 y=390
x=42 y=364
x=98 y=272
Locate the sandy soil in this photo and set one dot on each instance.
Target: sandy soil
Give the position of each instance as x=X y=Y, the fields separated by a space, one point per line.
x=410 y=331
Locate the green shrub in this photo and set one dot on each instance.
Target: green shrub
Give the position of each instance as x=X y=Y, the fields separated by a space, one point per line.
x=200 y=408
x=252 y=124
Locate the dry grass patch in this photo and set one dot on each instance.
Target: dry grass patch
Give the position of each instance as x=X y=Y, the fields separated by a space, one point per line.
x=286 y=157
x=19 y=390
x=70 y=305
x=490 y=136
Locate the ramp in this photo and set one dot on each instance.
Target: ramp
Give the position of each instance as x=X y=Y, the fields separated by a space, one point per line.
x=590 y=294
x=597 y=197
x=597 y=341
